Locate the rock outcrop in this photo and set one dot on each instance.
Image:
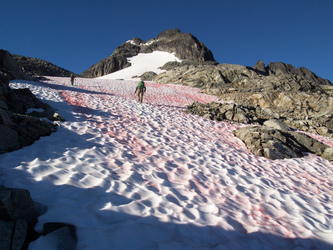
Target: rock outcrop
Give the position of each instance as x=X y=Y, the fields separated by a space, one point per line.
x=148 y=76
x=226 y=78
x=228 y=111
x=9 y=68
x=185 y=46
x=18 y=217
x=274 y=140
x=37 y=68
x=18 y=129
x=318 y=124
x=275 y=144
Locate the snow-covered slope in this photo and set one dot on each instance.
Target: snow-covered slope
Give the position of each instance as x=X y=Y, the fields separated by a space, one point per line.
x=148 y=176
x=143 y=63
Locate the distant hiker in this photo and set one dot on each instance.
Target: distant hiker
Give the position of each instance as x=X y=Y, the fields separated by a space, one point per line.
x=141 y=88
x=72 y=79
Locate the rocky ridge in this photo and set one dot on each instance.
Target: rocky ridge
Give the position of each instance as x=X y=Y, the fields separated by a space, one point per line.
x=37 y=68
x=185 y=46
x=227 y=78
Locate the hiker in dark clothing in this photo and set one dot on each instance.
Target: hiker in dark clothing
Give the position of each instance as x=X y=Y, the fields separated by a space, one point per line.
x=72 y=79
x=141 y=89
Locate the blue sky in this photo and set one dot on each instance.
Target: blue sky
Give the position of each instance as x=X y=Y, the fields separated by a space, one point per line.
x=75 y=34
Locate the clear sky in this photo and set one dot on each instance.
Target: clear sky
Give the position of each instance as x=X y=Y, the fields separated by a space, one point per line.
x=75 y=34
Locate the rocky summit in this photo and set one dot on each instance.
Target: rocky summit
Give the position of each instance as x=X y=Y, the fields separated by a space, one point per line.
x=185 y=46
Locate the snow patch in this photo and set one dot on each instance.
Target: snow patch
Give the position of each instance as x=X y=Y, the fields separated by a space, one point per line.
x=151 y=41
x=142 y=63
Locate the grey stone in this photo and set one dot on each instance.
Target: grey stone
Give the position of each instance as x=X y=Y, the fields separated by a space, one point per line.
x=241 y=118
x=148 y=76
x=277 y=124
x=272 y=154
x=328 y=154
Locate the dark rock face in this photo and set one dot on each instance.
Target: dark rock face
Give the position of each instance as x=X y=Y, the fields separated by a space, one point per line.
x=21 y=131
x=18 y=129
x=36 y=67
x=185 y=46
x=278 y=144
x=9 y=68
x=18 y=216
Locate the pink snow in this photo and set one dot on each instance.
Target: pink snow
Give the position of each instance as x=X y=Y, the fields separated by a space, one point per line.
x=145 y=176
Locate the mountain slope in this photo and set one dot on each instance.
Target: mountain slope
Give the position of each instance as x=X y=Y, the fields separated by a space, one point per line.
x=148 y=176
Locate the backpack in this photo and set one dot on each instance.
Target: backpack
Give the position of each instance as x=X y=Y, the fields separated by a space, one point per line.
x=141 y=85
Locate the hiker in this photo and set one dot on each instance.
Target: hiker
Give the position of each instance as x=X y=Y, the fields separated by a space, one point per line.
x=72 y=79
x=141 y=90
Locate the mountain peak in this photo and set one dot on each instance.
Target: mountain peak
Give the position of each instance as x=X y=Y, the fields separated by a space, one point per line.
x=185 y=46
x=169 y=33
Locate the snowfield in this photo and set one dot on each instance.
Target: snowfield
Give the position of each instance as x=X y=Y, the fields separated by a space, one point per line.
x=148 y=176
